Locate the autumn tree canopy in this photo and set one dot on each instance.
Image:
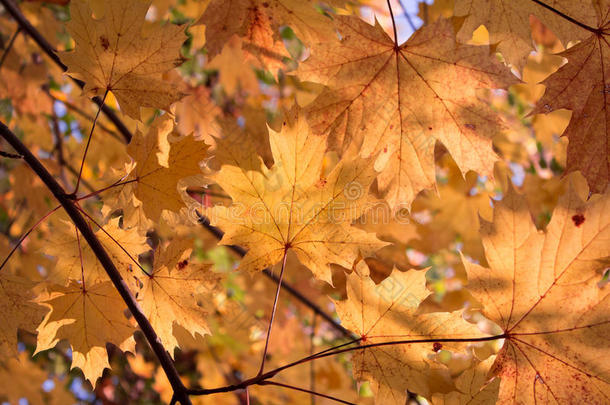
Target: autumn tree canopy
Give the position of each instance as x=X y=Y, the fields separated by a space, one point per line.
x=304 y=202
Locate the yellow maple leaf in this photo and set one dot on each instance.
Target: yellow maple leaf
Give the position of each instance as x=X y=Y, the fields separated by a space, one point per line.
x=162 y=158
x=118 y=53
x=542 y=290
x=395 y=102
x=508 y=23
x=582 y=86
x=258 y=23
x=176 y=292
x=88 y=316
x=388 y=312
x=293 y=206
x=17 y=311
x=26 y=380
x=76 y=260
x=473 y=387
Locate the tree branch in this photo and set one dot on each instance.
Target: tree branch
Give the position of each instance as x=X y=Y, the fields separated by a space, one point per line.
x=79 y=221
x=33 y=33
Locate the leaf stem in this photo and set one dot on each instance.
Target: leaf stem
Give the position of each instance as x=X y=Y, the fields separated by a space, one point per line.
x=277 y=296
x=218 y=233
x=393 y=25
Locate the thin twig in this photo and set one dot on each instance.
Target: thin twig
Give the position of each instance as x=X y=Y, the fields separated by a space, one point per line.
x=73 y=211
x=10 y=155
x=9 y=46
x=292 y=387
x=26 y=234
x=596 y=31
x=78 y=111
x=82 y=163
x=405 y=12
x=269 y=374
x=58 y=148
x=312 y=365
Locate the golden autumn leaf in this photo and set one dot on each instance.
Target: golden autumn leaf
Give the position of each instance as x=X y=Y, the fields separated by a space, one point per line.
x=25 y=379
x=438 y=9
x=473 y=387
x=120 y=54
x=88 y=316
x=76 y=260
x=258 y=23
x=581 y=85
x=313 y=138
x=394 y=102
x=508 y=23
x=17 y=311
x=542 y=290
x=161 y=159
x=456 y=207
x=292 y=206
x=388 y=312
x=177 y=292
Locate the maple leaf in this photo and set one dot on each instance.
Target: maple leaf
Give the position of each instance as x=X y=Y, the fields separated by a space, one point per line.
x=292 y=206
x=508 y=23
x=118 y=53
x=472 y=386
x=457 y=206
x=395 y=102
x=25 y=378
x=172 y=293
x=76 y=260
x=387 y=313
x=17 y=311
x=582 y=86
x=162 y=158
x=542 y=290
x=88 y=317
x=258 y=23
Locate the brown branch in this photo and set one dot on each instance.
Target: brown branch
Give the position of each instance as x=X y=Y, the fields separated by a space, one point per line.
x=33 y=33
x=79 y=221
x=69 y=205
x=333 y=351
